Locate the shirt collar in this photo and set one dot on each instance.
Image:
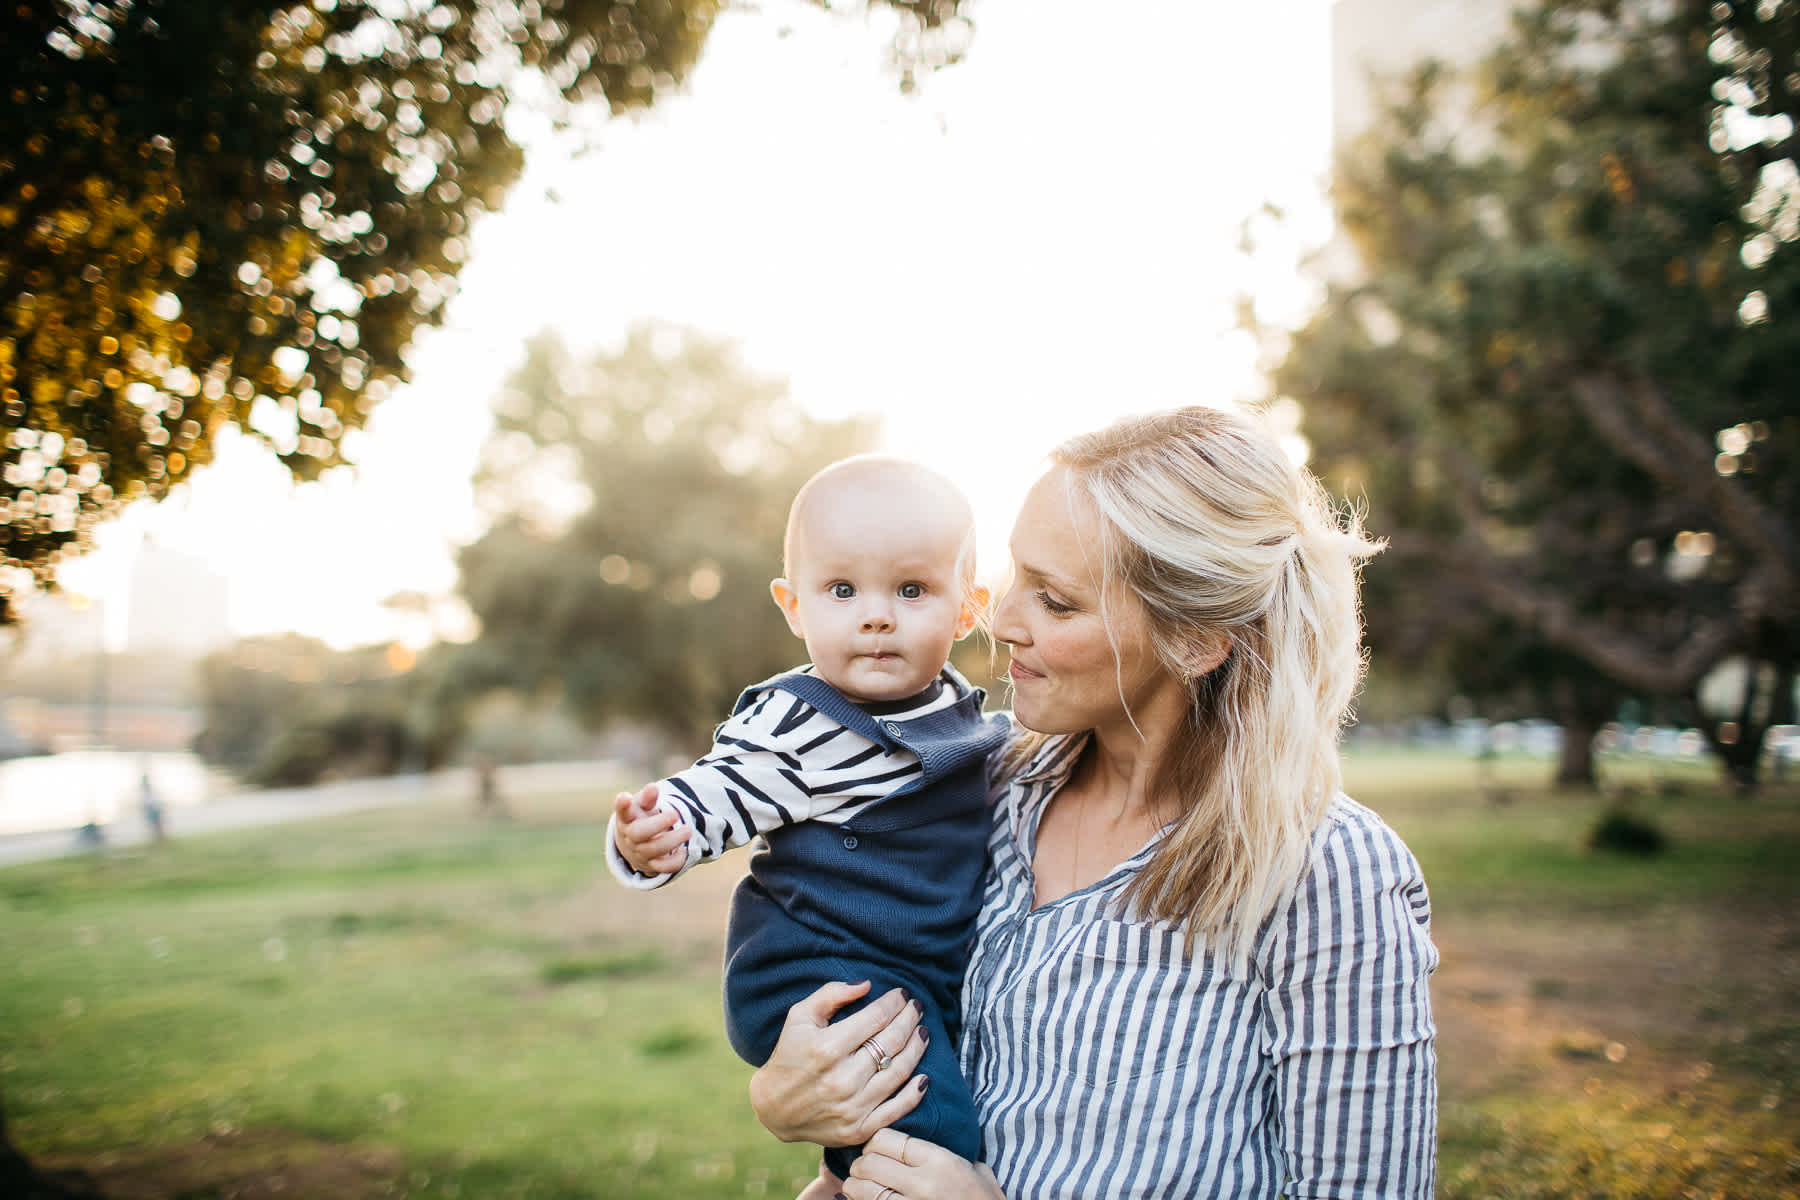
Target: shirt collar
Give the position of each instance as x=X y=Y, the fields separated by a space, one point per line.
x=1054 y=760
x=1039 y=778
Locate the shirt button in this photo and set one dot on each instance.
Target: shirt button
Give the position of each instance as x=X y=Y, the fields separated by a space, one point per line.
x=891 y=726
x=850 y=843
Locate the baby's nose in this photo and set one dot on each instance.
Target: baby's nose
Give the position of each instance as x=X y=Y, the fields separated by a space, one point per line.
x=877 y=618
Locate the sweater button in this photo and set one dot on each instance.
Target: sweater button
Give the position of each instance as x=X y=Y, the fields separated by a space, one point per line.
x=892 y=727
x=850 y=842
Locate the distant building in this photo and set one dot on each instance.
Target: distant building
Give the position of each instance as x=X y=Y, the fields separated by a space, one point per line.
x=175 y=602
x=1387 y=38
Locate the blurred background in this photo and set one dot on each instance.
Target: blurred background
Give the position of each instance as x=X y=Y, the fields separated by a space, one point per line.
x=400 y=402
x=847 y=244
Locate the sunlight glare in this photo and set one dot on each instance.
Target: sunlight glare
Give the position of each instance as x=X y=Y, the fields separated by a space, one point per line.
x=1032 y=243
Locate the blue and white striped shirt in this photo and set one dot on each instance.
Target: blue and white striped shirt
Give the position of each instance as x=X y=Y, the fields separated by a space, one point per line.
x=778 y=762
x=1107 y=1063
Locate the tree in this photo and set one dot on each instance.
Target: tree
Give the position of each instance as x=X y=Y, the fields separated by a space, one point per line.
x=285 y=710
x=639 y=501
x=240 y=212
x=1436 y=632
x=1566 y=372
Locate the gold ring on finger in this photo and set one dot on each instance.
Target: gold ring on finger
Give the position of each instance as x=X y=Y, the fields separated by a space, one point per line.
x=885 y=1192
x=883 y=1060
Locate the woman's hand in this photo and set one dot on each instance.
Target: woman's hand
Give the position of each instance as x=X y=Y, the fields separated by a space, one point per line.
x=895 y=1166
x=822 y=1084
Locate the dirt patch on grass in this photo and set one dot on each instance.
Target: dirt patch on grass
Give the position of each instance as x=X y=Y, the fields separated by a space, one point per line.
x=1647 y=999
x=258 y=1164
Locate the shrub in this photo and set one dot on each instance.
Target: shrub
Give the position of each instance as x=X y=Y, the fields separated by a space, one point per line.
x=1625 y=832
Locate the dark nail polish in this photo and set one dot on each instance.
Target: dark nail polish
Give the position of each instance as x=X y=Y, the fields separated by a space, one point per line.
x=840 y=1196
x=925 y=1035
x=918 y=1008
x=924 y=1084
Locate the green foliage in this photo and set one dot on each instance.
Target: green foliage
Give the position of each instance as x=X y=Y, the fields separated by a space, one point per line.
x=287 y=710
x=1566 y=375
x=640 y=499
x=241 y=211
x=352 y=742
x=1624 y=832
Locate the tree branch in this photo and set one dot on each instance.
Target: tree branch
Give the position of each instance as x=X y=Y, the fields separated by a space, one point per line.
x=1635 y=418
x=1632 y=661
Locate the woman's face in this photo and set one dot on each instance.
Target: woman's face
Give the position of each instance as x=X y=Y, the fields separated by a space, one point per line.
x=1076 y=666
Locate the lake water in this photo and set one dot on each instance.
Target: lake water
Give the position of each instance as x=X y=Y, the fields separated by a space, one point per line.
x=65 y=791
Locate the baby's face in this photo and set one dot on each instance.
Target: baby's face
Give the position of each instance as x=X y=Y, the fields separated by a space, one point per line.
x=876 y=592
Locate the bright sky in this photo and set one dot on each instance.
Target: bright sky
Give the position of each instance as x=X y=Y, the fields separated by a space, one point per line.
x=1041 y=238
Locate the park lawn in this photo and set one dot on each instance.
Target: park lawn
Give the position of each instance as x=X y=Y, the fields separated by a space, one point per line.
x=470 y=1005
x=416 y=1002
x=1610 y=1025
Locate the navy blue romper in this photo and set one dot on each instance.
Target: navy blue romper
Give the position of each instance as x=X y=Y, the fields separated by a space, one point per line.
x=890 y=896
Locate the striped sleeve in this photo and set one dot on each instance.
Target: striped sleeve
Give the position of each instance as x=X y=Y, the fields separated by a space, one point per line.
x=1349 y=1033
x=778 y=762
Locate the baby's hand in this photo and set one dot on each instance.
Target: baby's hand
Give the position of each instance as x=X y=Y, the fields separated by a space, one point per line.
x=652 y=840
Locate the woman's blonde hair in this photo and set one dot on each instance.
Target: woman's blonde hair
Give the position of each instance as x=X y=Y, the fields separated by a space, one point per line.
x=1216 y=532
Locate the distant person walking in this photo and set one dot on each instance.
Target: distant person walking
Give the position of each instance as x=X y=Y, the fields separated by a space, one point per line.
x=488 y=801
x=152 y=807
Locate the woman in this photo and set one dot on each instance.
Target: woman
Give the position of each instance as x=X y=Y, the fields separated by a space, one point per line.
x=1199 y=969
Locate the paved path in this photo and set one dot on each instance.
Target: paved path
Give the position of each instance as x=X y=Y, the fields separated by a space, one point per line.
x=239 y=810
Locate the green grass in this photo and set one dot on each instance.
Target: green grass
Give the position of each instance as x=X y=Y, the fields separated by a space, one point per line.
x=1613 y=1143
x=1527 y=853
x=398 y=979
x=610 y=966
x=1704 y=938
x=475 y=1005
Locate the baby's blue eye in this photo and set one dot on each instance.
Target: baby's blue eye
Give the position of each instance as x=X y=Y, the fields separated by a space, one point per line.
x=911 y=591
x=843 y=591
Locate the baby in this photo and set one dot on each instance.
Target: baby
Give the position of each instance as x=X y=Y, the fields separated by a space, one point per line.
x=865 y=773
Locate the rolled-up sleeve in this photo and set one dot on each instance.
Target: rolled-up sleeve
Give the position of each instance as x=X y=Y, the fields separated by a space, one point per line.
x=1349 y=1031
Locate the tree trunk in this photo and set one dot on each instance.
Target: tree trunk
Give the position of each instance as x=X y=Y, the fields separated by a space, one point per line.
x=1738 y=761
x=1737 y=741
x=1768 y=701
x=1781 y=709
x=1581 y=709
x=1575 y=761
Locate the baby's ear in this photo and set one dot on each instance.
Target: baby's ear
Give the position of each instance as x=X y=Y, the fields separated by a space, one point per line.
x=788 y=601
x=974 y=607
